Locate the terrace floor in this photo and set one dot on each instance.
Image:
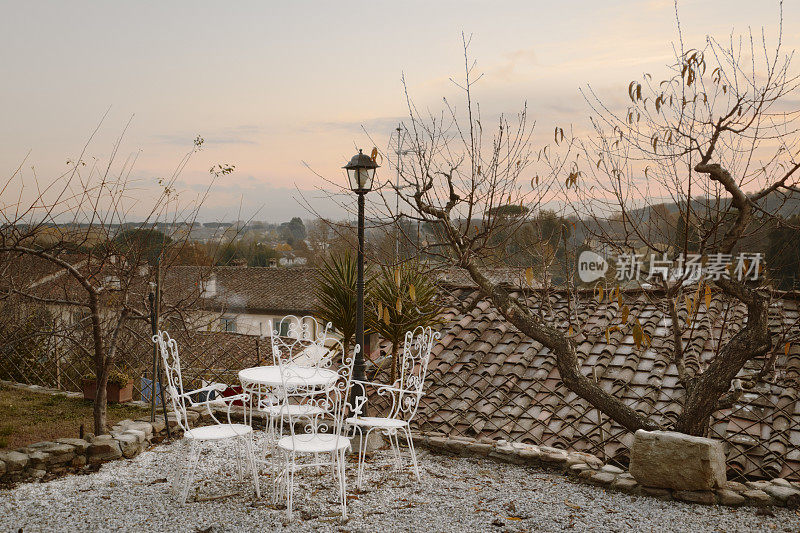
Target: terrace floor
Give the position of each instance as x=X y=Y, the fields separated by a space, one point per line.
x=456 y=494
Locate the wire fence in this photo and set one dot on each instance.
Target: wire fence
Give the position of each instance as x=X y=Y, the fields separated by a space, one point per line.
x=40 y=349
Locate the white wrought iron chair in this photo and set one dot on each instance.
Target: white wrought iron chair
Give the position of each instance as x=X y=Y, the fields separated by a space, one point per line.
x=403 y=396
x=319 y=440
x=297 y=341
x=302 y=341
x=196 y=437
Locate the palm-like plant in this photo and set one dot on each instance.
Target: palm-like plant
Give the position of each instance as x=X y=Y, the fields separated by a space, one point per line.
x=402 y=298
x=336 y=293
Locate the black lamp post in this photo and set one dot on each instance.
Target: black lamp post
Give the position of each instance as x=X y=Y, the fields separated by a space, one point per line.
x=360 y=173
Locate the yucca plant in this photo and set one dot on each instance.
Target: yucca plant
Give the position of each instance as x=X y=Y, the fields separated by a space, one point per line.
x=336 y=293
x=402 y=298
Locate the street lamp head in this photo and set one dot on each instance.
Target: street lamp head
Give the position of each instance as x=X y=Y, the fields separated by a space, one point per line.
x=361 y=172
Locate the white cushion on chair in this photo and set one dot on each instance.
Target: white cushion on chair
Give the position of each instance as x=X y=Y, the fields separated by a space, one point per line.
x=309 y=443
x=221 y=431
x=375 y=421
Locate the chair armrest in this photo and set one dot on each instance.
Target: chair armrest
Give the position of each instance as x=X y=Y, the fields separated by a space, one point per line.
x=213 y=387
x=391 y=392
x=376 y=385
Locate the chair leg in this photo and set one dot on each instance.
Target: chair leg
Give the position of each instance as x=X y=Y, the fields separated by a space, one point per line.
x=412 y=452
x=289 y=484
x=194 y=457
x=278 y=482
x=395 y=442
x=239 y=456
x=251 y=459
x=272 y=445
x=342 y=482
x=179 y=472
x=361 y=452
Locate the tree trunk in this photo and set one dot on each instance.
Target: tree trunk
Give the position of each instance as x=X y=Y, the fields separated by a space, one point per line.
x=100 y=399
x=100 y=367
x=706 y=389
x=564 y=350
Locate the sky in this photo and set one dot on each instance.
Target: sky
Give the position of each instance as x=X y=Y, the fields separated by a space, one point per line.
x=287 y=91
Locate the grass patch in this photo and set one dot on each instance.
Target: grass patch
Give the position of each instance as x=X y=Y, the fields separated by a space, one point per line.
x=29 y=417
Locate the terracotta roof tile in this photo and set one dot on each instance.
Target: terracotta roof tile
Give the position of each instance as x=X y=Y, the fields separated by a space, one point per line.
x=488 y=381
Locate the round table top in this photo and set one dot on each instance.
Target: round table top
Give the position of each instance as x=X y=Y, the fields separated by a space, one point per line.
x=298 y=375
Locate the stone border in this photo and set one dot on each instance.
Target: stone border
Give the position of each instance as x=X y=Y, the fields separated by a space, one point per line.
x=589 y=468
x=46 y=460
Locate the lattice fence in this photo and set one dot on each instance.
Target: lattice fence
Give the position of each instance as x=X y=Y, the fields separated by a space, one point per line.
x=38 y=349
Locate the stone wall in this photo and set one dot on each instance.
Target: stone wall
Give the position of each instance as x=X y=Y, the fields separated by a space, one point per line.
x=47 y=460
x=590 y=469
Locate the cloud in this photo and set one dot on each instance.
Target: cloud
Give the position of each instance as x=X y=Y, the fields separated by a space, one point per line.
x=378 y=124
x=243 y=134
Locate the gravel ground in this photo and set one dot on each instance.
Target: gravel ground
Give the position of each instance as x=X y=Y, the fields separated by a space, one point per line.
x=456 y=494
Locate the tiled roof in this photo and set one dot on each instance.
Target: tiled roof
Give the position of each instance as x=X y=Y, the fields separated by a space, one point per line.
x=21 y=271
x=458 y=277
x=260 y=289
x=253 y=289
x=488 y=381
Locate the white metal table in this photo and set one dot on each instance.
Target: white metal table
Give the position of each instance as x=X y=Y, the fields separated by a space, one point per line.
x=270 y=376
x=262 y=381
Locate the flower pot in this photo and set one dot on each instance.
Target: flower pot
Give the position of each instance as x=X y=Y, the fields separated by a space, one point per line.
x=114 y=392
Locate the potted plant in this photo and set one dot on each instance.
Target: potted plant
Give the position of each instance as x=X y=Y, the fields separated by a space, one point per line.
x=119 y=388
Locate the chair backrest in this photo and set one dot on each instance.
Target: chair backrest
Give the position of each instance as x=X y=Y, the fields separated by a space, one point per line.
x=413 y=370
x=302 y=341
x=328 y=403
x=171 y=362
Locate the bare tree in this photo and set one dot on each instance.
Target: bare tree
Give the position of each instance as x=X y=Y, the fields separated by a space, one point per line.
x=716 y=126
x=80 y=225
x=717 y=139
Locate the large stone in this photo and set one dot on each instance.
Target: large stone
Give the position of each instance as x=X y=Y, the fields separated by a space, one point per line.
x=144 y=427
x=103 y=448
x=655 y=492
x=80 y=445
x=735 y=486
x=140 y=435
x=625 y=485
x=676 y=461
x=602 y=478
x=611 y=469
x=588 y=458
x=760 y=484
x=729 y=497
x=14 y=461
x=788 y=496
x=38 y=460
x=552 y=455
x=129 y=445
x=482 y=448
x=757 y=497
x=58 y=452
x=579 y=467
x=695 y=496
